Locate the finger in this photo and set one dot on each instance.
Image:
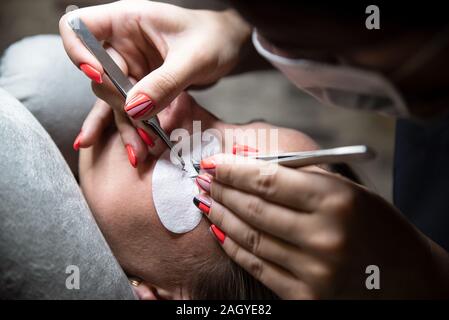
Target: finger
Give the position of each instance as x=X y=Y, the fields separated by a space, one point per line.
x=156 y=90
x=134 y=145
x=281 y=222
x=99 y=23
x=296 y=189
x=260 y=243
x=149 y=137
x=107 y=91
x=284 y=284
x=96 y=121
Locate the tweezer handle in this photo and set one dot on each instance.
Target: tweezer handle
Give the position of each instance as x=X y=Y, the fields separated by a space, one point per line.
x=115 y=74
x=153 y=123
x=334 y=155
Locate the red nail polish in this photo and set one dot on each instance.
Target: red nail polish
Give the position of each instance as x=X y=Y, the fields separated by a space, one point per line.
x=202 y=202
x=77 y=142
x=138 y=106
x=243 y=149
x=91 y=72
x=131 y=155
x=145 y=137
x=220 y=235
x=203 y=181
x=208 y=166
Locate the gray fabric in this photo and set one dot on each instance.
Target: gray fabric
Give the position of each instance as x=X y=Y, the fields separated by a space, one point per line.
x=45 y=223
x=38 y=72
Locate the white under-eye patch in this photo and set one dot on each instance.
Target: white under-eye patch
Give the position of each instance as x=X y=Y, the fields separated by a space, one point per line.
x=173 y=189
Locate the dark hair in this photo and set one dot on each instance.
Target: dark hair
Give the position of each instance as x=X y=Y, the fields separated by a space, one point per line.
x=225 y=280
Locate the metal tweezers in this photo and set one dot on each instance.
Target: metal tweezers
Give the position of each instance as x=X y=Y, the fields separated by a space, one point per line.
x=323 y=156
x=116 y=75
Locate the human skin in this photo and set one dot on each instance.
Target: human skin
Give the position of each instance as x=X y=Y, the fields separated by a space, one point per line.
x=155 y=55
x=120 y=198
x=420 y=90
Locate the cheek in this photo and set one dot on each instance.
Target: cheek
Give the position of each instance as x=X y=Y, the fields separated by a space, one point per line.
x=126 y=209
x=121 y=200
x=131 y=226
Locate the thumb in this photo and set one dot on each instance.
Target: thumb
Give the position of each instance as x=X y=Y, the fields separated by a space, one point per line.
x=158 y=89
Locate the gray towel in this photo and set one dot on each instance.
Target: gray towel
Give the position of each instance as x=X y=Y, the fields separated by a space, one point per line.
x=38 y=73
x=46 y=227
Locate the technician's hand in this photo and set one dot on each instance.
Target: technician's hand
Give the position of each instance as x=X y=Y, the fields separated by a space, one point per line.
x=137 y=138
x=164 y=48
x=311 y=234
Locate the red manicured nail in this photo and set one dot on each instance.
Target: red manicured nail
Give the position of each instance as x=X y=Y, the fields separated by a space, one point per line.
x=202 y=202
x=77 y=142
x=243 y=149
x=91 y=72
x=203 y=182
x=208 y=166
x=145 y=137
x=131 y=155
x=138 y=105
x=220 y=235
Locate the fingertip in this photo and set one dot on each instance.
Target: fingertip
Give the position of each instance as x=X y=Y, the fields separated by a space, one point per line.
x=91 y=72
x=83 y=140
x=88 y=137
x=138 y=106
x=76 y=50
x=161 y=86
x=145 y=137
x=131 y=155
x=64 y=21
x=219 y=235
x=215 y=159
x=136 y=148
x=77 y=142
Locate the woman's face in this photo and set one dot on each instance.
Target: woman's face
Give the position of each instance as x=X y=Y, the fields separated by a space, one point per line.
x=121 y=200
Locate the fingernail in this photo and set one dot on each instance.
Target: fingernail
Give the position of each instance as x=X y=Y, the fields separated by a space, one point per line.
x=202 y=202
x=243 y=149
x=203 y=182
x=145 y=137
x=208 y=166
x=138 y=105
x=131 y=155
x=220 y=235
x=91 y=72
x=77 y=142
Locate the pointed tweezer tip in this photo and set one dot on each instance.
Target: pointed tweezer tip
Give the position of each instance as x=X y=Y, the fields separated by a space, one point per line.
x=196 y=166
x=181 y=161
